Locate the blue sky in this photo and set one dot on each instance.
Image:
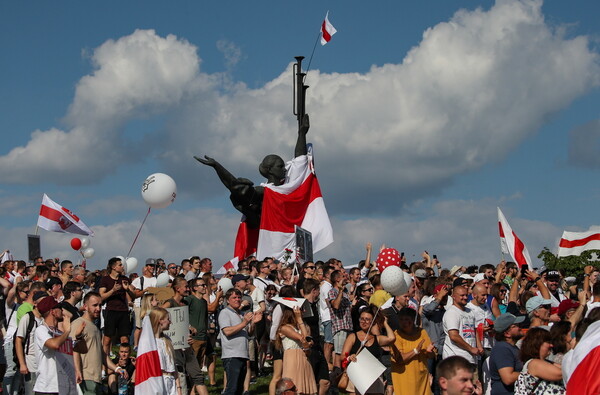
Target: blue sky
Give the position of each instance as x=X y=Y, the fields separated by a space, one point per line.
x=425 y=116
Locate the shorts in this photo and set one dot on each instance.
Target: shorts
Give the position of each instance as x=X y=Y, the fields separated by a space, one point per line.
x=338 y=341
x=137 y=312
x=200 y=348
x=327 y=335
x=277 y=354
x=117 y=323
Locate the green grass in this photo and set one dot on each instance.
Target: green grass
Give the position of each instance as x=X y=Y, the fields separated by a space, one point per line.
x=261 y=386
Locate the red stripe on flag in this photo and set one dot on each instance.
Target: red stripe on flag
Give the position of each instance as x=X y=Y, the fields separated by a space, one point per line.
x=519 y=247
x=501 y=230
x=50 y=213
x=585 y=378
x=324 y=31
x=564 y=243
x=147 y=366
x=285 y=211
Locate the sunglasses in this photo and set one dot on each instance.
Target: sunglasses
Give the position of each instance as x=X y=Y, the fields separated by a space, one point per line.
x=368 y=290
x=310 y=267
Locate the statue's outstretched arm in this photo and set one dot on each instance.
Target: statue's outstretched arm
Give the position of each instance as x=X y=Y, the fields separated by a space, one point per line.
x=301 y=142
x=228 y=179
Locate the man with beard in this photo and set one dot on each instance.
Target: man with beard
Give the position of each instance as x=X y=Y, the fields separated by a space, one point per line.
x=52 y=348
x=88 y=365
x=505 y=364
x=553 y=284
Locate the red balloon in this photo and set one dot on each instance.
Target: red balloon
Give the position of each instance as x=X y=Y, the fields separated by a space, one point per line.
x=75 y=243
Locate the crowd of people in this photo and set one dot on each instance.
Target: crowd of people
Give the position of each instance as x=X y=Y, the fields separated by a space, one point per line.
x=494 y=329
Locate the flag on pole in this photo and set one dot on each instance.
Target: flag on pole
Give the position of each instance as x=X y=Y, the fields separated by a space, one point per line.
x=574 y=243
x=55 y=218
x=580 y=367
x=148 y=374
x=327 y=30
x=298 y=202
x=514 y=245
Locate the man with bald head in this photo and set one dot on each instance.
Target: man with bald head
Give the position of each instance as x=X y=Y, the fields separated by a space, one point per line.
x=459 y=327
x=483 y=318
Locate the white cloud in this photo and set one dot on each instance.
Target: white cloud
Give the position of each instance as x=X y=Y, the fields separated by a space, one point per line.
x=134 y=76
x=459 y=231
x=466 y=95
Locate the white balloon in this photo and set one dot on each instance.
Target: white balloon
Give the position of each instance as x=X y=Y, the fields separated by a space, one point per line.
x=130 y=264
x=225 y=284
x=162 y=280
x=159 y=190
x=121 y=258
x=395 y=280
x=88 y=253
x=85 y=242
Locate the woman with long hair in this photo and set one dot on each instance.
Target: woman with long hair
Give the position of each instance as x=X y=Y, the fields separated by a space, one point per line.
x=370 y=324
x=410 y=354
x=362 y=293
x=560 y=337
x=147 y=303
x=499 y=292
x=160 y=320
x=538 y=376
x=294 y=339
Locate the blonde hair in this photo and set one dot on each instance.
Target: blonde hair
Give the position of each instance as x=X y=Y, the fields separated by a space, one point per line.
x=157 y=314
x=146 y=304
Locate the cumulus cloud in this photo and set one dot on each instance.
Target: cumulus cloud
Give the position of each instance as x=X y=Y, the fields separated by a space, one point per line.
x=231 y=52
x=135 y=76
x=584 y=145
x=466 y=95
x=460 y=232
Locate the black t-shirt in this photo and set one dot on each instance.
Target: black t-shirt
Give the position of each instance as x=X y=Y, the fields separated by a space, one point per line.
x=118 y=300
x=129 y=366
x=313 y=324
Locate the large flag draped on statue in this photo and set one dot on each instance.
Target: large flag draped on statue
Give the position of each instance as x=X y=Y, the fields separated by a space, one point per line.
x=511 y=244
x=55 y=218
x=580 y=367
x=297 y=202
x=574 y=243
x=148 y=374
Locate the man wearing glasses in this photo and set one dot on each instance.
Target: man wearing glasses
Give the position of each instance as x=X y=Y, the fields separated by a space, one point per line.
x=285 y=386
x=262 y=280
x=538 y=309
x=172 y=270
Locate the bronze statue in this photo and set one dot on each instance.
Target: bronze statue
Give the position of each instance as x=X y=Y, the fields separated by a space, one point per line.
x=247 y=198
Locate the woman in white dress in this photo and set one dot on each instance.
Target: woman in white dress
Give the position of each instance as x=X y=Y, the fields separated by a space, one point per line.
x=161 y=321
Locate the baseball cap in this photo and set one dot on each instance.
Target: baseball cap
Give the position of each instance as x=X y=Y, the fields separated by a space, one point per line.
x=438 y=288
x=504 y=321
x=39 y=294
x=421 y=273
x=567 y=305
x=553 y=274
x=150 y=262
x=239 y=277
x=46 y=304
x=460 y=282
x=535 y=302
x=479 y=277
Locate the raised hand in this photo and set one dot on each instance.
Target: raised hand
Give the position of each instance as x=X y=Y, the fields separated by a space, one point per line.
x=208 y=161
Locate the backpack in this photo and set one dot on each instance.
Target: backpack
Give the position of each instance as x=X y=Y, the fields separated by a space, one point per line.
x=27 y=339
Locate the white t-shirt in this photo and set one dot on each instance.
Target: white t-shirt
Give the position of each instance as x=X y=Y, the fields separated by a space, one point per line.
x=590 y=306
x=137 y=283
x=464 y=322
x=323 y=296
x=30 y=360
x=262 y=283
x=481 y=314
x=257 y=296
x=12 y=324
x=56 y=372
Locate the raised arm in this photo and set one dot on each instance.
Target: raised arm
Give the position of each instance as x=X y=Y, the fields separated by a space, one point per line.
x=301 y=142
x=228 y=179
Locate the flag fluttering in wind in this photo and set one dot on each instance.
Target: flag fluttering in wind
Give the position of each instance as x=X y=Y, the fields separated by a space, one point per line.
x=298 y=202
x=574 y=243
x=580 y=367
x=327 y=30
x=148 y=374
x=55 y=218
x=511 y=244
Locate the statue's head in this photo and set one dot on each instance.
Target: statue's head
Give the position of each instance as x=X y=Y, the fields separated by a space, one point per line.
x=272 y=168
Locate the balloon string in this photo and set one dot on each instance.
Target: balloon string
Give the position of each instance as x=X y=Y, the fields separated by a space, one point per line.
x=138 y=233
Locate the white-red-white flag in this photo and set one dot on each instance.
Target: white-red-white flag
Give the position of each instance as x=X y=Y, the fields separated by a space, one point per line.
x=298 y=202
x=327 y=30
x=580 y=367
x=148 y=373
x=229 y=265
x=514 y=245
x=55 y=218
x=574 y=243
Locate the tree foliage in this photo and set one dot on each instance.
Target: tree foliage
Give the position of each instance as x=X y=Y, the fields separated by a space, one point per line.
x=569 y=265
